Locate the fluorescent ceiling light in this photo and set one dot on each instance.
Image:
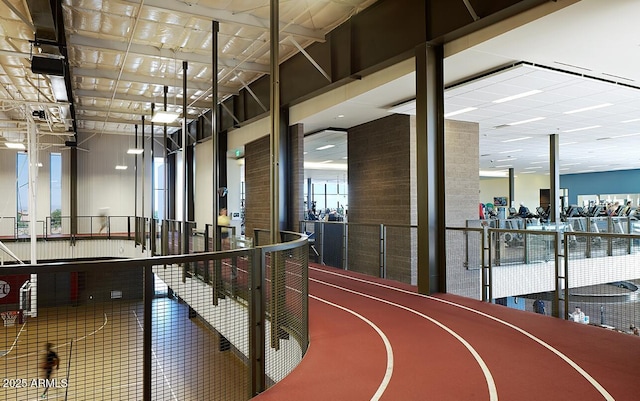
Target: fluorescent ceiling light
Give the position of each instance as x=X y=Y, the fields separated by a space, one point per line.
x=14 y=145
x=582 y=129
x=518 y=96
x=505 y=166
x=135 y=151
x=516 y=139
x=120 y=167
x=324 y=166
x=527 y=121
x=165 y=117
x=625 y=135
x=326 y=161
x=631 y=121
x=59 y=88
x=511 y=151
x=531 y=168
x=507 y=160
x=598 y=106
x=567 y=143
x=489 y=173
x=528 y=172
x=325 y=147
x=455 y=113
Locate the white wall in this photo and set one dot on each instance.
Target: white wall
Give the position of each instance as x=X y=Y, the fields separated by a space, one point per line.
x=8 y=161
x=101 y=185
x=527 y=189
x=203 y=189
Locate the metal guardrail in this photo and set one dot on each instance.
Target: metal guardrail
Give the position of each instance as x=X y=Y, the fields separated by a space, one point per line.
x=261 y=286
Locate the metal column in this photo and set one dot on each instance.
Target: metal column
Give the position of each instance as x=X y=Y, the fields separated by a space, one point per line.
x=430 y=165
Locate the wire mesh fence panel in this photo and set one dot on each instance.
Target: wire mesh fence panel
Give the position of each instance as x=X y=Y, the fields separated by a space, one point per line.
x=76 y=336
x=204 y=332
x=203 y=346
x=464 y=262
x=522 y=273
x=286 y=308
x=364 y=251
x=400 y=254
x=603 y=288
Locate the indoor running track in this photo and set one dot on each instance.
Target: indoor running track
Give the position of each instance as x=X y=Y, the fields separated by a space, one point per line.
x=372 y=339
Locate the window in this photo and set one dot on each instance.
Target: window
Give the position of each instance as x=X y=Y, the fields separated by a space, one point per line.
x=55 y=204
x=159 y=200
x=22 y=192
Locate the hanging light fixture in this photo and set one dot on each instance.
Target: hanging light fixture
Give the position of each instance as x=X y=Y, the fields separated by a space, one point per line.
x=165 y=117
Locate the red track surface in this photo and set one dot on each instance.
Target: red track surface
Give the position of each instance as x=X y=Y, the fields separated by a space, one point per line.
x=527 y=356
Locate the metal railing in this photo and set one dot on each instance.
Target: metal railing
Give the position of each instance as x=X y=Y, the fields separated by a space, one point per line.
x=234 y=333
x=558 y=265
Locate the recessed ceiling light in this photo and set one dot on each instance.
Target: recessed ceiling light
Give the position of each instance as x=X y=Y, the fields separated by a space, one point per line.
x=582 y=129
x=120 y=167
x=325 y=147
x=455 y=113
x=516 y=139
x=340 y=115
x=518 y=96
x=625 y=135
x=598 y=106
x=526 y=121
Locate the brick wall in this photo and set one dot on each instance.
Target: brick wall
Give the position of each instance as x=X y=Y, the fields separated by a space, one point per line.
x=462 y=196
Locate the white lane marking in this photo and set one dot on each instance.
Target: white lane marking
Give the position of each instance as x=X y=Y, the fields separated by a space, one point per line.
x=153 y=351
x=15 y=341
x=491 y=385
x=387 y=345
x=565 y=358
x=60 y=345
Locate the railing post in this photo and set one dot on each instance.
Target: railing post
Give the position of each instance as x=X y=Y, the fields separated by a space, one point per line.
x=383 y=253
x=257 y=326
x=484 y=258
x=146 y=333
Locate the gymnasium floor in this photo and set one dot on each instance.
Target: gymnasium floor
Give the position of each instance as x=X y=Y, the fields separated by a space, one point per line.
x=100 y=348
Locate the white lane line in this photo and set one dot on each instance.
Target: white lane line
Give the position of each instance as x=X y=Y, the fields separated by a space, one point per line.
x=60 y=345
x=491 y=385
x=387 y=345
x=153 y=351
x=15 y=341
x=565 y=358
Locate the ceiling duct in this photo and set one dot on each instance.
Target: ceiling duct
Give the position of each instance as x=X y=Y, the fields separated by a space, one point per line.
x=47 y=65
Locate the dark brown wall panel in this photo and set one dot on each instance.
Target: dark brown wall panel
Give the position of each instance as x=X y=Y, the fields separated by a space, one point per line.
x=257 y=179
x=385 y=31
x=379 y=171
